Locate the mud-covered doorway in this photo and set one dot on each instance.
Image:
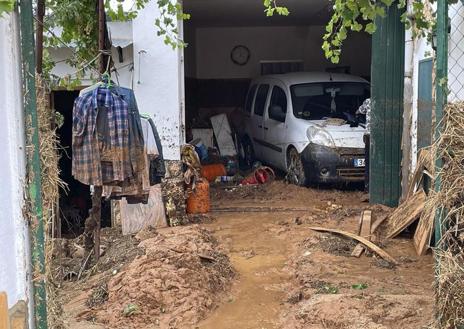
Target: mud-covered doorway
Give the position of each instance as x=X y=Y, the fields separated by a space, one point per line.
x=75 y=201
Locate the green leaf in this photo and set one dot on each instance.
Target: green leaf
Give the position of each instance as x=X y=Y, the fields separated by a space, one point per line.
x=370 y=28
x=6 y=6
x=359 y=286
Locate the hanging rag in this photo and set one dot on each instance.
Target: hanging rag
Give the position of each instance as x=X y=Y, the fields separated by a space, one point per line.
x=192 y=165
x=138 y=191
x=157 y=166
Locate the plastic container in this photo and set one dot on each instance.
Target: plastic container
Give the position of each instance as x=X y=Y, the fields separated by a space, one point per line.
x=210 y=172
x=231 y=167
x=199 y=201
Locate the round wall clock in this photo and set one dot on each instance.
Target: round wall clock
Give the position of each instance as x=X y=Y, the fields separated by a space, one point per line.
x=240 y=55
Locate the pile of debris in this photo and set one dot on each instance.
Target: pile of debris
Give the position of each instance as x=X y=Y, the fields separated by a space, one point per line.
x=414 y=209
x=179 y=276
x=449 y=201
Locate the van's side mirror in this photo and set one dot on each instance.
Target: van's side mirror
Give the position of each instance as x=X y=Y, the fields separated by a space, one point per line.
x=277 y=113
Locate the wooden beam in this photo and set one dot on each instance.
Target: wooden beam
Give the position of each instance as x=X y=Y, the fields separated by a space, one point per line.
x=424 y=231
x=365 y=242
x=364 y=231
x=4 y=319
x=409 y=211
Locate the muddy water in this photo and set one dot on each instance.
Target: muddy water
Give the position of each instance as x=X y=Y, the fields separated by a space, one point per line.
x=259 y=255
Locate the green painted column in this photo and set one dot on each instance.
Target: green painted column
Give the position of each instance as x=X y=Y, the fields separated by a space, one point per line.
x=34 y=183
x=388 y=44
x=441 y=95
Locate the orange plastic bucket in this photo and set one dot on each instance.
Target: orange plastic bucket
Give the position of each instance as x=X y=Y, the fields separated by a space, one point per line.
x=210 y=172
x=199 y=201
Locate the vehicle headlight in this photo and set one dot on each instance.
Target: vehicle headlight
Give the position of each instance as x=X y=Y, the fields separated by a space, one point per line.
x=320 y=136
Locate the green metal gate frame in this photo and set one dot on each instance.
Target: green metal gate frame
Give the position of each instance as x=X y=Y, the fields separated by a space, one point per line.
x=388 y=45
x=34 y=181
x=441 y=95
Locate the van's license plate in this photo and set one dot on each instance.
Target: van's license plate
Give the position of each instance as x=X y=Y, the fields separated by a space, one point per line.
x=359 y=163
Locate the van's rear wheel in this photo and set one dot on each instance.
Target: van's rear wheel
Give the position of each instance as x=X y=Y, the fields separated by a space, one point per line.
x=295 y=169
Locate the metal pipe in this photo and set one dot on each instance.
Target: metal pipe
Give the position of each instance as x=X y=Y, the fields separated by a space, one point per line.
x=39 y=35
x=101 y=34
x=441 y=92
x=34 y=184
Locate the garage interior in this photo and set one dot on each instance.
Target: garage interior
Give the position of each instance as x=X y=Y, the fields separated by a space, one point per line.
x=214 y=83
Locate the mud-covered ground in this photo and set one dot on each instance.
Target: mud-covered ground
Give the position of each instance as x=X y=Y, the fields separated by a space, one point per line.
x=255 y=264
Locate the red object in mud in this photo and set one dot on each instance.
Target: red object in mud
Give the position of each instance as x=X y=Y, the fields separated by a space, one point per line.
x=259 y=176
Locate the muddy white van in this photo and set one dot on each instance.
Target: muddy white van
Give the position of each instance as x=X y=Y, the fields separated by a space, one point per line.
x=306 y=125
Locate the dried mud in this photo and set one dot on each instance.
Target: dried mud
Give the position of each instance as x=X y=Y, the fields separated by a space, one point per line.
x=254 y=267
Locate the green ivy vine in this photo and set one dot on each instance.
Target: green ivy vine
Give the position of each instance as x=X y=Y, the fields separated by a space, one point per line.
x=6 y=6
x=360 y=15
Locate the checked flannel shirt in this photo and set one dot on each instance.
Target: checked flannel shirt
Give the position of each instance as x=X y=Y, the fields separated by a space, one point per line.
x=100 y=147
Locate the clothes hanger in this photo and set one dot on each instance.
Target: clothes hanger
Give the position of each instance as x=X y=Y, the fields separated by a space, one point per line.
x=105 y=81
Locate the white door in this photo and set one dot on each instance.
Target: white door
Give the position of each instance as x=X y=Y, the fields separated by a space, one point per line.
x=275 y=127
x=257 y=119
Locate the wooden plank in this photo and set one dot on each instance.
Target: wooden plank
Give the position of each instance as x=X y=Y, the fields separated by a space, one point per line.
x=366 y=224
x=360 y=222
x=18 y=315
x=358 y=250
x=223 y=135
x=377 y=223
x=364 y=231
x=405 y=214
x=379 y=251
x=424 y=231
x=423 y=164
x=4 y=320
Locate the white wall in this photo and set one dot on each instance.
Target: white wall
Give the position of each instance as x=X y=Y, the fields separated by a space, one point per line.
x=62 y=68
x=159 y=90
x=14 y=239
x=416 y=51
x=156 y=75
x=214 y=44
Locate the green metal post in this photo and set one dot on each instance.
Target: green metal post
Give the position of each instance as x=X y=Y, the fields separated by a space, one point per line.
x=441 y=95
x=33 y=164
x=388 y=43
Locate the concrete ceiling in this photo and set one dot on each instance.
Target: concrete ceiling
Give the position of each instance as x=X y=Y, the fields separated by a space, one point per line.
x=251 y=12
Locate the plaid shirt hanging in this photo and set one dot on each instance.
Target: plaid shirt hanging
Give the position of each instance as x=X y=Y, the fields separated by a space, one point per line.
x=100 y=148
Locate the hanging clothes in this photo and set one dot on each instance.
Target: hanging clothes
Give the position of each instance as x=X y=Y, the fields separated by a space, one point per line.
x=140 y=189
x=99 y=114
x=157 y=166
x=100 y=146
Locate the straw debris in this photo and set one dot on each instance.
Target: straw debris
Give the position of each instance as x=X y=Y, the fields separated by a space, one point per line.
x=51 y=184
x=449 y=200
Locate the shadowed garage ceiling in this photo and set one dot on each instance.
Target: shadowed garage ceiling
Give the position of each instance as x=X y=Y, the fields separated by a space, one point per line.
x=251 y=12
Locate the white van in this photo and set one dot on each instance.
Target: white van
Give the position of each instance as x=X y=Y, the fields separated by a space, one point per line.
x=306 y=125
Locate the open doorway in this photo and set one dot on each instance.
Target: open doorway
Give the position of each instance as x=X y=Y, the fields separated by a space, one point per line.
x=75 y=202
x=232 y=43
